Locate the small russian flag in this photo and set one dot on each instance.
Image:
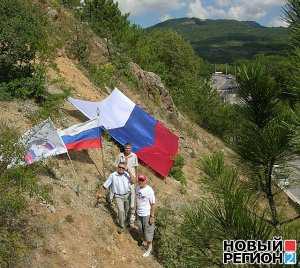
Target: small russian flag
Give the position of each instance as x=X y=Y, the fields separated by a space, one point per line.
x=82 y=136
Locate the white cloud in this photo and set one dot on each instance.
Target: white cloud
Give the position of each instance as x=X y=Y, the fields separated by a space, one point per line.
x=165 y=17
x=197 y=10
x=246 y=12
x=278 y=22
x=216 y=9
x=139 y=7
x=232 y=9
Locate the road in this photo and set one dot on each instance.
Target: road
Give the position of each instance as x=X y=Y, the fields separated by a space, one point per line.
x=293 y=187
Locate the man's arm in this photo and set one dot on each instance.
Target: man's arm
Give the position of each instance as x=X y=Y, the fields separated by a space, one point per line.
x=107 y=183
x=152 y=210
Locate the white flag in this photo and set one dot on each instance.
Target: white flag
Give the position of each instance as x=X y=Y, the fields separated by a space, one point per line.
x=42 y=141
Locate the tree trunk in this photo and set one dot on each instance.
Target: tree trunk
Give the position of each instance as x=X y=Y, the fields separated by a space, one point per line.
x=270 y=194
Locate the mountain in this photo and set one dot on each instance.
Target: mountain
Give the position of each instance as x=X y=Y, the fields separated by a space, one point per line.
x=226 y=41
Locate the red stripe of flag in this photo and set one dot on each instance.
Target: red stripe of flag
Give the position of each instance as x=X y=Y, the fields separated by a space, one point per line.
x=84 y=144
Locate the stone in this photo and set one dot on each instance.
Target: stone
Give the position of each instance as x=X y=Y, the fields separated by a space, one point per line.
x=52 y=13
x=153 y=86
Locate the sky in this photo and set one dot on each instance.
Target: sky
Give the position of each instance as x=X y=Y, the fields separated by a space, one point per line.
x=150 y=12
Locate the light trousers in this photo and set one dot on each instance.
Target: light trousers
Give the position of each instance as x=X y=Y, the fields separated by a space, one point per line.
x=122 y=203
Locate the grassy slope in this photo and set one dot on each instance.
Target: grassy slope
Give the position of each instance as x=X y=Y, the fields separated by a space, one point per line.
x=221 y=41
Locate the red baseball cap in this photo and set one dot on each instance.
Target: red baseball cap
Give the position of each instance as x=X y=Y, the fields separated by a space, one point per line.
x=142 y=178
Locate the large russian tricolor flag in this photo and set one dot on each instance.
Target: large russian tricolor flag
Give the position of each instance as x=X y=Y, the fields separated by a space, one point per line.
x=126 y=122
x=82 y=136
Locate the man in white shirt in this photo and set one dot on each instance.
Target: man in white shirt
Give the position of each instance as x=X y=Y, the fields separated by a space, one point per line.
x=145 y=202
x=119 y=184
x=131 y=161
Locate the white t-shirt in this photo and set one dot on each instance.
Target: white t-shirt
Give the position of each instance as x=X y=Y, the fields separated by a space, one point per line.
x=144 y=197
x=131 y=161
x=119 y=183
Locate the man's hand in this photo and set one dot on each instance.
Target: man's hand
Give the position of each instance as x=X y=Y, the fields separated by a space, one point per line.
x=98 y=194
x=151 y=220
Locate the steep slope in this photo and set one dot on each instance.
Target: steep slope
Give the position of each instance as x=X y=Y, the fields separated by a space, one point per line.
x=225 y=41
x=71 y=231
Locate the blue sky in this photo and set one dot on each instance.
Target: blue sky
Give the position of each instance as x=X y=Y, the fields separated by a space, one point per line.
x=149 y=12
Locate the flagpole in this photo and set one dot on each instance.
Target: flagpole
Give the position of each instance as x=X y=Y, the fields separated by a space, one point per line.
x=74 y=173
x=100 y=173
x=73 y=168
x=98 y=192
x=101 y=148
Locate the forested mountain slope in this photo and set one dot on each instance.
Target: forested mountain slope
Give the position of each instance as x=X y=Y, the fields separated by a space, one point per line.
x=226 y=41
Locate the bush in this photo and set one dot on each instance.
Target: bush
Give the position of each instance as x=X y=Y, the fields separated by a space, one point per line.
x=79 y=47
x=70 y=3
x=176 y=172
x=192 y=237
x=213 y=165
x=25 y=87
x=105 y=18
x=49 y=107
x=103 y=75
x=16 y=184
x=23 y=38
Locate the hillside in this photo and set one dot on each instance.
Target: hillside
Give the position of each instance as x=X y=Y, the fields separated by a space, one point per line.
x=67 y=230
x=226 y=41
x=51 y=217
x=70 y=231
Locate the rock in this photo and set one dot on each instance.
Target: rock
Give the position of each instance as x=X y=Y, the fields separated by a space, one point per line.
x=51 y=208
x=52 y=13
x=55 y=173
x=153 y=86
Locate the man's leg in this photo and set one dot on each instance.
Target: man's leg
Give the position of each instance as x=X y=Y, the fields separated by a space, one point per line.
x=126 y=206
x=121 y=211
x=148 y=235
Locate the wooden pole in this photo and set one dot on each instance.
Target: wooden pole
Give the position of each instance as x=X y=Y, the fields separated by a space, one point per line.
x=75 y=174
x=100 y=173
x=102 y=144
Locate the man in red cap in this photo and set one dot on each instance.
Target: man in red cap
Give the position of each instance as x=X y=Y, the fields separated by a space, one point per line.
x=145 y=202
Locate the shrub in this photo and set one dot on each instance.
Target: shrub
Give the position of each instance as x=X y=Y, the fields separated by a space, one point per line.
x=176 y=172
x=25 y=87
x=70 y=3
x=16 y=185
x=79 y=47
x=23 y=37
x=49 y=107
x=105 y=18
x=103 y=75
x=213 y=165
x=192 y=237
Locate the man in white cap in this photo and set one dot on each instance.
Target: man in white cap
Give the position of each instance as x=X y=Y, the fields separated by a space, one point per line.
x=145 y=204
